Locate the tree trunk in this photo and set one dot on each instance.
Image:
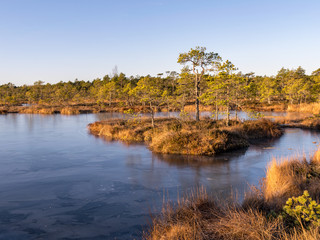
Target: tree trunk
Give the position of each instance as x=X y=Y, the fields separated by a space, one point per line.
x=217 y=112
x=228 y=113
x=217 y=109
x=236 y=114
x=197 y=88
x=152 y=115
x=228 y=116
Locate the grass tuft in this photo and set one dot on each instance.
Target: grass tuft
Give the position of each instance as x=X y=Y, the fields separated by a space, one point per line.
x=259 y=216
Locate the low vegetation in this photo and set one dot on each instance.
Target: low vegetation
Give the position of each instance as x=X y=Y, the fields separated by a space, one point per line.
x=305 y=108
x=176 y=136
x=300 y=122
x=285 y=207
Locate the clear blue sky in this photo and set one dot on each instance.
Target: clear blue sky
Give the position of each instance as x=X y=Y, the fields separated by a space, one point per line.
x=60 y=40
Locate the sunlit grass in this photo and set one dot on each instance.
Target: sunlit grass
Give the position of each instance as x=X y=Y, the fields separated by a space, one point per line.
x=259 y=216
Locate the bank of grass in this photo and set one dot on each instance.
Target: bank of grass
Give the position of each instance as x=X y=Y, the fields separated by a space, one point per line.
x=69 y=111
x=300 y=122
x=3 y=111
x=313 y=108
x=260 y=216
x=269 y=107
x=176 y=136
x=76 y=109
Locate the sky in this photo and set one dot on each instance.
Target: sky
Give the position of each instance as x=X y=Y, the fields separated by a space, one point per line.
x=61 y=40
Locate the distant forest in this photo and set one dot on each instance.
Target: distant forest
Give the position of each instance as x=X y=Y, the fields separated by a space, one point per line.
x=211 y=82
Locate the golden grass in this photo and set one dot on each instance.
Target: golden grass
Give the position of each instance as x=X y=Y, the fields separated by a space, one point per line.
x=69 y=111
x=305 y=234
x=247 y=224
x=187 y=220
x=306 y=122
x=272 y=108
x=316 y=158
x=254 y=129
x=37 y=110
x=305 y=107
x=311 y=123
x=174 y=136
x=284 y=179
x=257 y=218
x=202 y=108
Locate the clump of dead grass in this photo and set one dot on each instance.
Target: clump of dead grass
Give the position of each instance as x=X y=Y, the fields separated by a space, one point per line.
x=175 y=136
x=284 y=179
x=305 y=107
x=259 y=216
x=316 y=158
x=69 y=111
x=38 y=110
x=261 y=128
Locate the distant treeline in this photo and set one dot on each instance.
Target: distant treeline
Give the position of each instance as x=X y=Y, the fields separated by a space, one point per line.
x=225 y=86
x=288 y=86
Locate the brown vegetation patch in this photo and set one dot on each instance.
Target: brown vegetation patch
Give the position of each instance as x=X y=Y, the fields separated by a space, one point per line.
x=300 y=122
x=259 y=216
x=3 y=111
x=313 y=108
x=202 y=108
x=269 y=107
x=69 y=111
x=262 y=128
x=174 y=136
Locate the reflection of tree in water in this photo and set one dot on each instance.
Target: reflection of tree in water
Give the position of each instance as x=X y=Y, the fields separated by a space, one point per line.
x=108 y=139
x=199 y=161
x=109 y=115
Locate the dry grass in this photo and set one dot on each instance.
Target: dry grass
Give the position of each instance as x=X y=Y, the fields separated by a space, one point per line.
x=258 y=217
x=196 y=142
x=305 y=107
x=72 y=108
x=202 y=108
x=37 y=110
x=305 y=234
x=187 y=220
x=271 y=108
x=255 y=129
x=69 y=111
x=306 y=122
x=290 y=177
x=284 y=179
x=174 y=136
x=311 y=123
x=247 y=224
x=316 y=158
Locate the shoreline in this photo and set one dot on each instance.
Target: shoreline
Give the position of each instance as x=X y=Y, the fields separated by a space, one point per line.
x=83 y=108
x=285 y=206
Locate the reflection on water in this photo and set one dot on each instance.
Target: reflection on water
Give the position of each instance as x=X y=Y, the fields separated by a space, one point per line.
x=59 y=182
